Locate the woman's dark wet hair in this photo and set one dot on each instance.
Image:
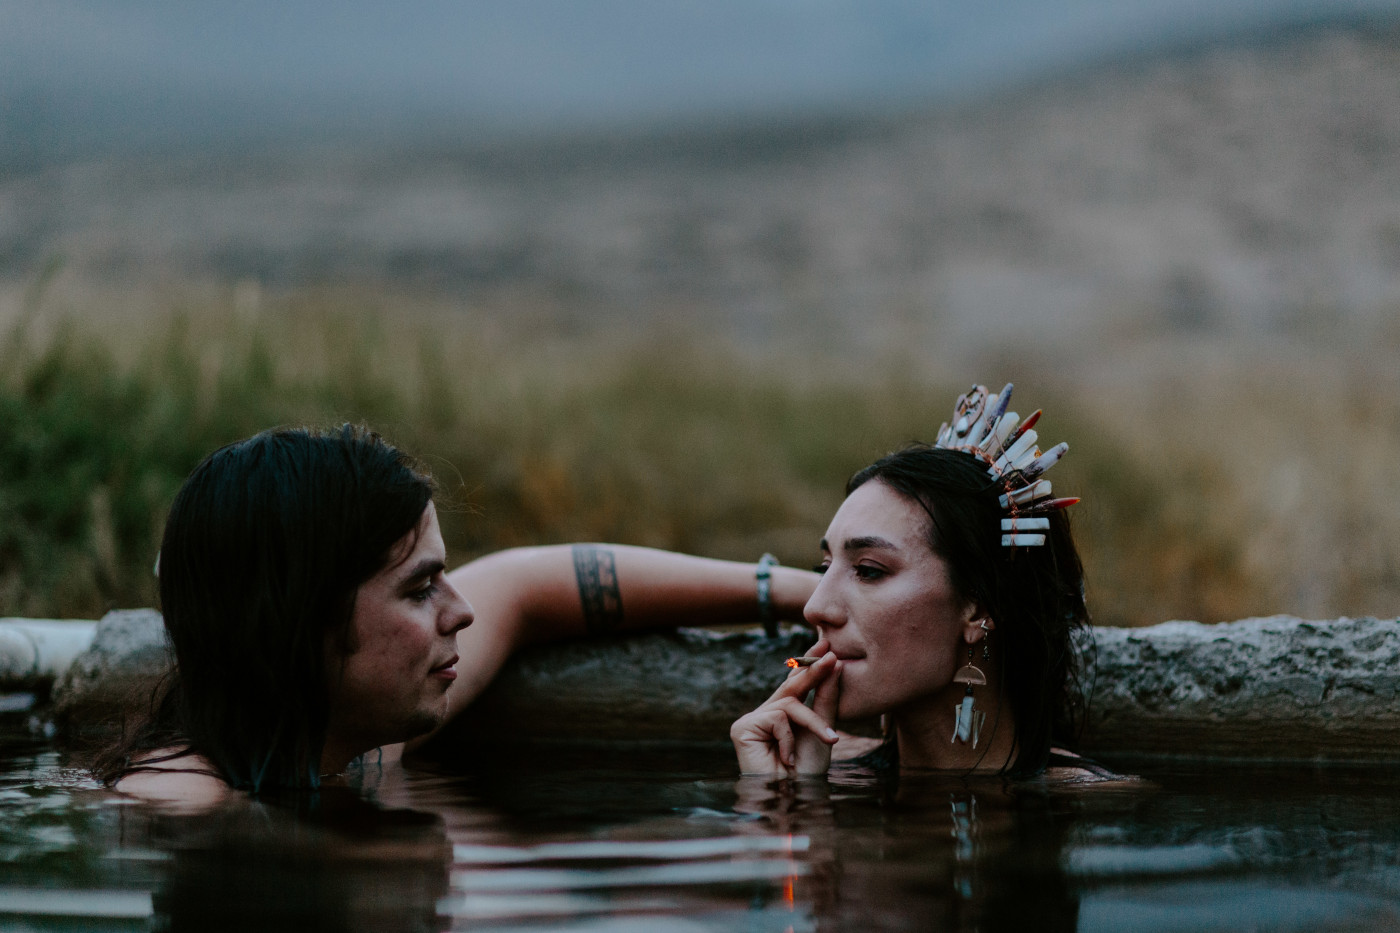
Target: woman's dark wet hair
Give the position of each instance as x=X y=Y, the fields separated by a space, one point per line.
x=1034 y=594
x=265 y=546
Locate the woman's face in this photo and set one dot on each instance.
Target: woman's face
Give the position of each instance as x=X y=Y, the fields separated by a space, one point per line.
x=393 y=684
x=886 y=605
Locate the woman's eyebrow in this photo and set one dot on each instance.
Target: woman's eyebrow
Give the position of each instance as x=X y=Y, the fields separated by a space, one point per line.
x=868 y=543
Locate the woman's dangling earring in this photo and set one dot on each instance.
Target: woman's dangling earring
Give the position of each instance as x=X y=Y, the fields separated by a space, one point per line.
x=968 y=722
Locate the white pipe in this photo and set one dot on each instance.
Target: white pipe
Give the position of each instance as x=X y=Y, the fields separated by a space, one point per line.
x=35 y=651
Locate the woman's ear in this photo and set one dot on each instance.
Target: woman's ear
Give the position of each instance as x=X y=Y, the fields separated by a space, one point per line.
x=977 y=623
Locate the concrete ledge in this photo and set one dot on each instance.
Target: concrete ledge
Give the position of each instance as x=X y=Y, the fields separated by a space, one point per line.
x=33 y=652
x=1276 y=688
x=680 y=687
x=113 y=679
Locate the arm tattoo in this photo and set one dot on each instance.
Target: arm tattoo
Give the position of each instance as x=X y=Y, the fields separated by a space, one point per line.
x=596 y=571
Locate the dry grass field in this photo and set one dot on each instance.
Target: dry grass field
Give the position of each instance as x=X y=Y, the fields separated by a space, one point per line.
x=1221 y=479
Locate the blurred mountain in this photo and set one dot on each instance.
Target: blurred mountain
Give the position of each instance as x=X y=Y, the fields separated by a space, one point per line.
x=1247 y=188
x=81 y=78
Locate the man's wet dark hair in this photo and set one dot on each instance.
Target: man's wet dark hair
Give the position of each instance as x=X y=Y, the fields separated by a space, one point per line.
x=1035 y=595
x=265 y=546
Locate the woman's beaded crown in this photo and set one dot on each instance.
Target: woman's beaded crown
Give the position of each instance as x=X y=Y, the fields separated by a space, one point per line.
x=984 y=428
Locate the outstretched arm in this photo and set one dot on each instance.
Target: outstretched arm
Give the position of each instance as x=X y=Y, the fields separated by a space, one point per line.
x=529 y=596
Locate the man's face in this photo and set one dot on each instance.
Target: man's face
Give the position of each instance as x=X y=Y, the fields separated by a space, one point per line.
x=393 y=684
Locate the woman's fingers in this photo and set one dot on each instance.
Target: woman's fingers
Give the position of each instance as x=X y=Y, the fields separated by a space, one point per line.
x=773 y=722
x=804 y=716
x=763 y=741
x=814 y=737
x=770 y=739
x=784 y=734
x=815 y=757
x=828 y=694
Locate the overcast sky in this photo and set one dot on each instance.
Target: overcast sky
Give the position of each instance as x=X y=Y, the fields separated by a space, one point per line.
x=152 y=69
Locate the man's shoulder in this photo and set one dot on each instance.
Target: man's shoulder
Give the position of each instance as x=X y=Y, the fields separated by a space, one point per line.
x=188 y=780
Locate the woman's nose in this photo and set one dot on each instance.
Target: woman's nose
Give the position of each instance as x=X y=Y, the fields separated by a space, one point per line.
x=823 y=609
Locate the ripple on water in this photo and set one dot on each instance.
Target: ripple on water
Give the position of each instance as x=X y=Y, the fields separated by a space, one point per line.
x=644 y=845
x=1225 y=907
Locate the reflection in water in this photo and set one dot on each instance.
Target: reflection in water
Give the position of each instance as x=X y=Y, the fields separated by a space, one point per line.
x=326 y=861
x=955 y=854
x=675 y=842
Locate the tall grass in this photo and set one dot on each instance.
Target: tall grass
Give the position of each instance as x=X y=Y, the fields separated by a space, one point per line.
x=664 y=438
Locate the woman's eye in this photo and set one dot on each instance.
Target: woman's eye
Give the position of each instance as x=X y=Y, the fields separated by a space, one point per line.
x=820 y=568
x=866 y=572
x=423 y=595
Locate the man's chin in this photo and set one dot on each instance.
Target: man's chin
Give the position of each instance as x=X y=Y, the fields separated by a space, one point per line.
x=423 y=722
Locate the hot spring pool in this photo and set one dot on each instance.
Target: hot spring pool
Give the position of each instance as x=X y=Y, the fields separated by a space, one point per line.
x=672 y=841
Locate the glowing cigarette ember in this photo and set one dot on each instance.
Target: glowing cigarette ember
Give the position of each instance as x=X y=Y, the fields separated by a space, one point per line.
x=804 y=661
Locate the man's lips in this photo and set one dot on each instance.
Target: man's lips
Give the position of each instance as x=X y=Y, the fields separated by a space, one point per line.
x=445 y=669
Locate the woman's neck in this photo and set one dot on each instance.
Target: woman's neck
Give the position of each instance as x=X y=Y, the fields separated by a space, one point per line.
x=925 y=729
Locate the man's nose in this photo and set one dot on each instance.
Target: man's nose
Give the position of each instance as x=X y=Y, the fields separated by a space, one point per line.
x=459 y=614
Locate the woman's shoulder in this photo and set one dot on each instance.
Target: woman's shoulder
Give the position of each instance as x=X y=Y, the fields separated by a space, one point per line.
x=856 y=752
x=1066 y=766
x=172 y=776
x=850 y=747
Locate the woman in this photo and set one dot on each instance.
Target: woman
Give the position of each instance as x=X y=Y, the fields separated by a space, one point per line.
x=305 y=591
x=949 y=604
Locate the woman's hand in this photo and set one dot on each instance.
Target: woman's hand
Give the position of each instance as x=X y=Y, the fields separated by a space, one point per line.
x=784 y=735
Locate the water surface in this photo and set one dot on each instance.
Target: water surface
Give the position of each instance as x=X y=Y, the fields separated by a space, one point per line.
x=672 y=840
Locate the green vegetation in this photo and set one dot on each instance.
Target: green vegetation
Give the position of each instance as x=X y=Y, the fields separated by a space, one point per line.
x=664 y=439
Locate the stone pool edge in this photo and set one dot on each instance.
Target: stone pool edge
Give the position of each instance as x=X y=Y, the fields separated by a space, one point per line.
x=1274 y=688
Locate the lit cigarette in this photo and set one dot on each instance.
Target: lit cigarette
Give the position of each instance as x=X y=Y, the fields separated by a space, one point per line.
x=804 y=661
